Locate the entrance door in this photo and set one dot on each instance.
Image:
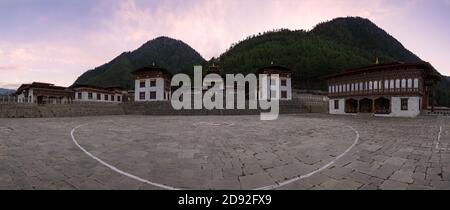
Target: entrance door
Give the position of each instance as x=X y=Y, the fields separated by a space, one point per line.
x=40 y=99
x=365 y=105
x=382 y=106
x=351 y=106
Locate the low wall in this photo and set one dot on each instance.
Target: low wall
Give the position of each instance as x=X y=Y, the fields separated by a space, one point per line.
x=58 y=110
x=165 y=108
x=141 y=108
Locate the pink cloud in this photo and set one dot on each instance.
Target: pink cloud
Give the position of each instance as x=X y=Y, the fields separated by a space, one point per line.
x=209 y=26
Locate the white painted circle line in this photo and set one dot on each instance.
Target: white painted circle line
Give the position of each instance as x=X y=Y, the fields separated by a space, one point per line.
x=114 y=168
x=271 y=187
x=439 y=138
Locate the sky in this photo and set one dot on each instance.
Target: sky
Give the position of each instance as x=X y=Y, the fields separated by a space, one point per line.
x=57 y=40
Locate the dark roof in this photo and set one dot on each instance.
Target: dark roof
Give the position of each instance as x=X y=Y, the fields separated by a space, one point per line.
x=96 y=87
x=274 y=67
x=152 y=68
x=39 y=85
x=384 y=66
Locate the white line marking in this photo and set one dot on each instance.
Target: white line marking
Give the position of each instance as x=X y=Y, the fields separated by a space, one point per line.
x=439 y=138
x=271 y=187
x=114 y=168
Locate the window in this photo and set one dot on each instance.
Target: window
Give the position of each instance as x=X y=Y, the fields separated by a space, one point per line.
x=283 y=82
x=118 y=98
x=409 y=83
x=90 y=96
x=142 y=96
x=152 y=95
x=397 y=84
x=284 y=94
x=403 y=83
x=391 y=84
x=404 y=104
x=106 y=97
x=336 y=104
x=152 y=83
x=142 y=84
x=112 y=97
x=80 y=96
x=416 y=83
x=99 y=96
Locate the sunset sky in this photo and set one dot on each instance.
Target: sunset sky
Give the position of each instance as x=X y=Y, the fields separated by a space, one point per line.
x=57 y=40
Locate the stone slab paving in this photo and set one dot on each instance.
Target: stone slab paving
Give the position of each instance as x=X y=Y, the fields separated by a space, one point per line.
x=226 y=152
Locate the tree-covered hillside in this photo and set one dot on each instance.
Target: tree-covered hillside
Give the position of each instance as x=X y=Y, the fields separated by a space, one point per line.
x=172 y=54
x=328 y=48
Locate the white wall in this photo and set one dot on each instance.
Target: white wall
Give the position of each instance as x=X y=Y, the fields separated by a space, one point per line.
x=413 y=107
x=159 y=89
x=85 y=97
x=341 y=109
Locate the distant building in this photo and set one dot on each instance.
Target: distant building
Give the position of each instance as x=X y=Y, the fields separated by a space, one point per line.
x=285 y=83
x=152 y=84
x=391 y=89
x=86 y=93
x=213 y=78
x=43 y=93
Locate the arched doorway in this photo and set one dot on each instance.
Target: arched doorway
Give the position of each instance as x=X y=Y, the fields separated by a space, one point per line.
x=351 y=106
x=365 y=105
x=382 y=106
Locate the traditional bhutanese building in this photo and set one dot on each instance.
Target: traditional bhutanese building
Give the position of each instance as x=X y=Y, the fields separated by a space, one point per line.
x=213 y=78
x=43 y=93
x=390 y=89
x=284 y=85
x=87 y=93
x=152 y=84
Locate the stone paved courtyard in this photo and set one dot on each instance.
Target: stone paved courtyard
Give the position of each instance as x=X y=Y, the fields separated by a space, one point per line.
x=225 y=152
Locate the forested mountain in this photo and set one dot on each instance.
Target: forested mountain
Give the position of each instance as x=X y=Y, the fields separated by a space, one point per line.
x=172 y=54
x=328 y=48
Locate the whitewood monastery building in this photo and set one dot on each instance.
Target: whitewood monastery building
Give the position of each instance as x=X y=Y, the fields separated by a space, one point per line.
x=391 y=89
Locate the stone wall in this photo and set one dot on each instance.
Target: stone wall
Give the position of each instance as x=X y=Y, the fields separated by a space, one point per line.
x=137 y=108
x=58 y=110
x=165 y=108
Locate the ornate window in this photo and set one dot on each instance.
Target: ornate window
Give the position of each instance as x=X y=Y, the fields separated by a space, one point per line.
x=416 y=83
x=403 y=83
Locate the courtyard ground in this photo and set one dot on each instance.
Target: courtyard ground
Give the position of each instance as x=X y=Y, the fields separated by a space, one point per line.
x=308 y=151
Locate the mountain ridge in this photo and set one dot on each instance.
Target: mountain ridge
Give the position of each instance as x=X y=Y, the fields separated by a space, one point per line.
x=4 y=91
x=328 y=48
x=175 y=55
